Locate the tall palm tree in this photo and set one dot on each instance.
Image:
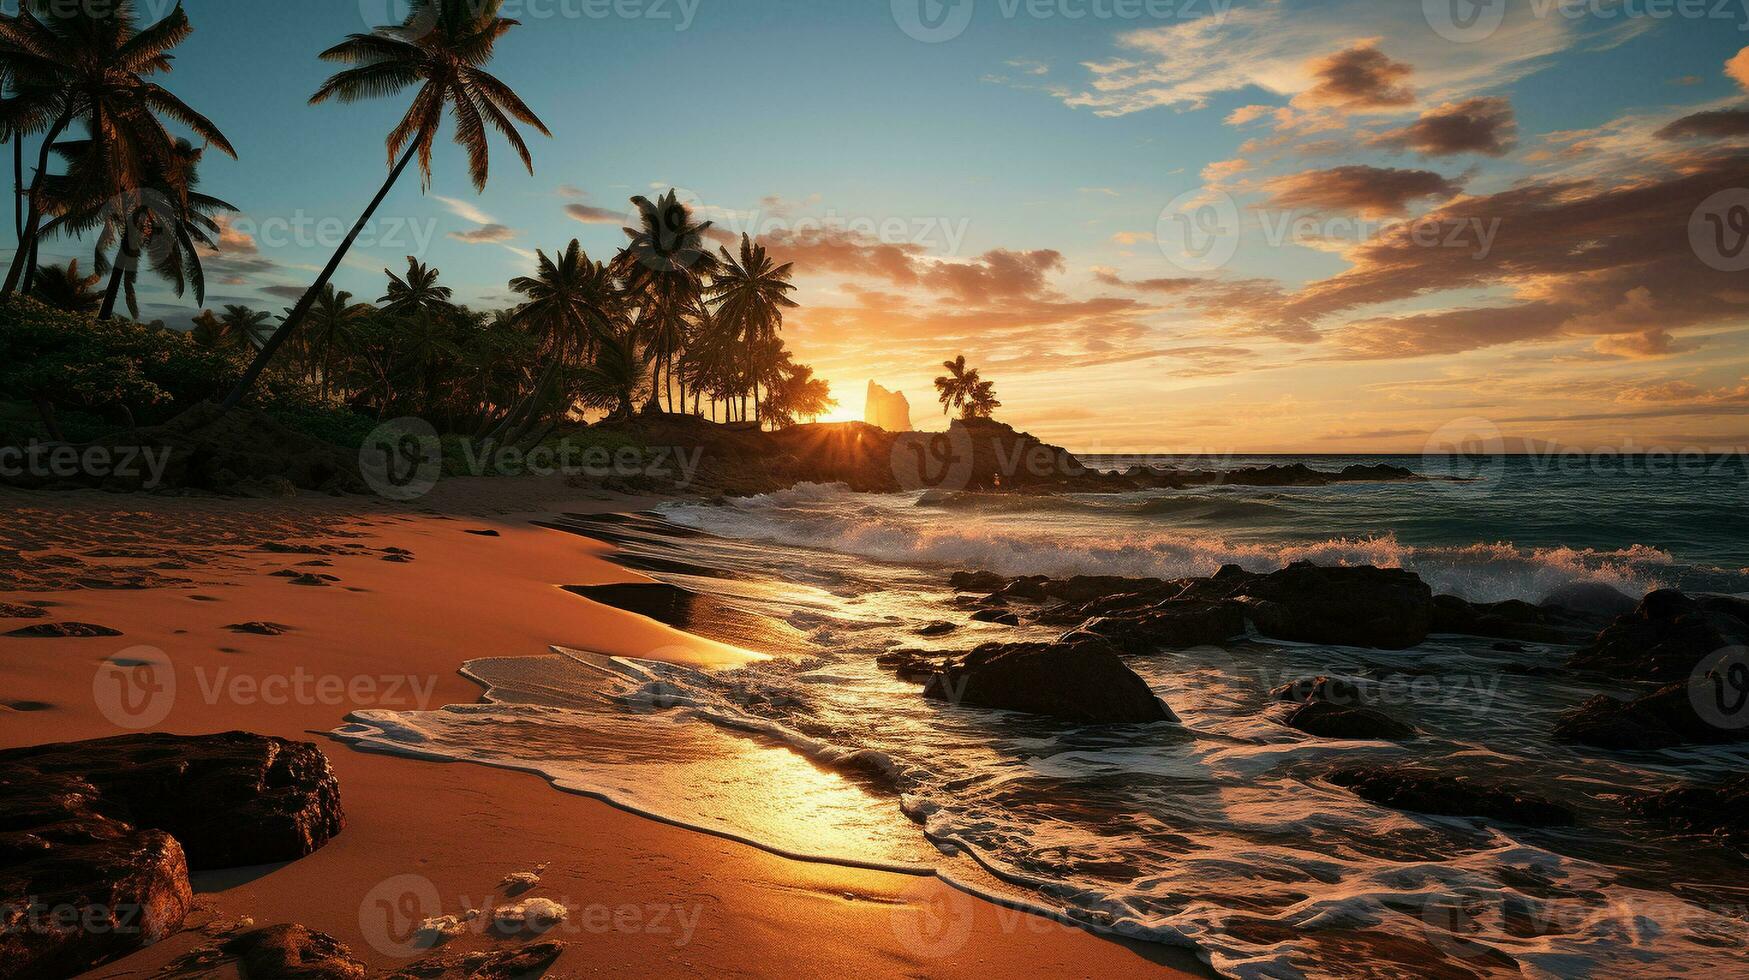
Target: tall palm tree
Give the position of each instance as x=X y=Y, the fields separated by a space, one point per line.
x=329 y=323
x=665 y=267
x=957 y=387
x=166 y=221
x=751 y=292
x=418 y=293
x=573 y=303
x=246 y=324
x=62 y=287
x=92 y=62
x=442 y=47
x=617 y=378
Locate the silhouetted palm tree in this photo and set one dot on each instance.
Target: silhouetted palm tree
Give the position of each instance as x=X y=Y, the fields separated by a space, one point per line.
x=751 y=293
x=442 y=46
x=617 y=378
x=92 y=62
x=418 y=293
x=62 y=287
x=243 y=323
x=330 y=323
x=573 y=303
x=665 y=267
x=961 y=388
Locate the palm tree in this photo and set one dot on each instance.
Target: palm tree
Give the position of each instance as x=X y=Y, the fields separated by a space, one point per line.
x=210 y=332
x=330 y=321
x=665 y=266
x=441 y=46
x=92 y=62
x=167 y=219
x=573 y=303
x=957 y=387
x=246 y=324
x=751 y=293
x=982 y=403
x=418 y=293
x=617 y=378
x=62 y=287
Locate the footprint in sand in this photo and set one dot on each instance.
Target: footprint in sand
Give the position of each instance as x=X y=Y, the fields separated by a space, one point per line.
x=485 y=533
x=26 y=705
x=10 y=611
x=260 y=628
x=62 y=630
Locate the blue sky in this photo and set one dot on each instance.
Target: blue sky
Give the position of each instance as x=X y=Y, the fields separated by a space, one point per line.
x=1022 y=171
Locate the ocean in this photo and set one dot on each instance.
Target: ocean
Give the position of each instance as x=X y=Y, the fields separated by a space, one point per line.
x=1218 y=832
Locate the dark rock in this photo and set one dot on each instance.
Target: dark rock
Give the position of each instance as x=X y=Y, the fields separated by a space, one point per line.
x=1514 y=620
x=484 y=533
x=976 y=581
x=505 y=964
x=1591 y=598
x=1387 y=608
x=1660 y=720
x=1000 y=617
x=936 y=629
x=259 y=628
x=62 y=630
x=1719 y=810
x=1029 y=588
x=316 y=581
x=1667 y=636
x=1457 y=796
x=230 y=800
x=1171 y=625
x=10 y=611
x=1335 y=690
x=913 y=665
x=1081 y=681
x=293 y=952
x=1328 y=720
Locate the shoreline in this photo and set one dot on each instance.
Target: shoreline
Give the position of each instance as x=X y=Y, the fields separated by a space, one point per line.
x=421 y=828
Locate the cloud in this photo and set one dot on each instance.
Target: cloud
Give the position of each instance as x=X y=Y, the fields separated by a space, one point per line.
x=465 y=210
x=1716 y=124
x=1738 y=68
x=589 y=214
x=1132 y=237
x=1368 y=191
x=485 y=235
x=293 y=293
x=1486 y=126
x=572 y=191
x=1358 y=79
x=1265 y=45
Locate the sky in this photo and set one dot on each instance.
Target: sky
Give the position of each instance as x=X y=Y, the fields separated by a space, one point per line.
x=1157 y=225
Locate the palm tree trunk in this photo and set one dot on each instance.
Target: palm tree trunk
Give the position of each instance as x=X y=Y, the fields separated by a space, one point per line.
x=18 y=183
x=46 y=409
x=117 y=272
x=296 y=316
x=27 y=238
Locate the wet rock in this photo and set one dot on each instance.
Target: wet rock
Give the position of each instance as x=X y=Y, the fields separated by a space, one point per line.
x=259 y=628
x=1171 y=625
x=1031 y=588
x=229 y=800
x=976 y=581
x=1326 y=719
x=1422 y=791
x=294 y=951
x=1591 y=598
x=1387 y=608
x=1718 y=810
x=505 y=964
x=913 y=665
x=1667 y=636
x=62 y=631
x=1662 y=719
x=1082 y=681
x=1000 y=617
x=1336 y=690
x=936 y=629
x=1514 y=620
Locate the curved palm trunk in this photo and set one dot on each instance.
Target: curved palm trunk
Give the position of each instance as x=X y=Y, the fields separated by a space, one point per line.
x=296 y=316
x=33 y=219
x=116 y=273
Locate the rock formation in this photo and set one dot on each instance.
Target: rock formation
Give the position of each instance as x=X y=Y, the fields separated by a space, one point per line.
x=887 y=409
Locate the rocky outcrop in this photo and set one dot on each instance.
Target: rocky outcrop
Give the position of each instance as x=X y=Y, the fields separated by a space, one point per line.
x=1667 y=636
x=888 y=410
x=1083 y=680
x=110 y=829
x=294 y=951
x=1717 y=810
x=1422 y=791
x=1362 y=606
x=1170 y=624
x=1327 y=719
x=1515 y=620
x=1662 y=719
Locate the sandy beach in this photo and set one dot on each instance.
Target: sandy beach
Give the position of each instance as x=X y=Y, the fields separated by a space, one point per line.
x=388 y=629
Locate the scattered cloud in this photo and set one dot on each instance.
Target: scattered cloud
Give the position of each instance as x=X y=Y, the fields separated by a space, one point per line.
x=1485 y=126
x=466 y=210
x=1716 y=124
x=485 y=235
x=1738 y=68
x=1367 y=191
x=1358 y=79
